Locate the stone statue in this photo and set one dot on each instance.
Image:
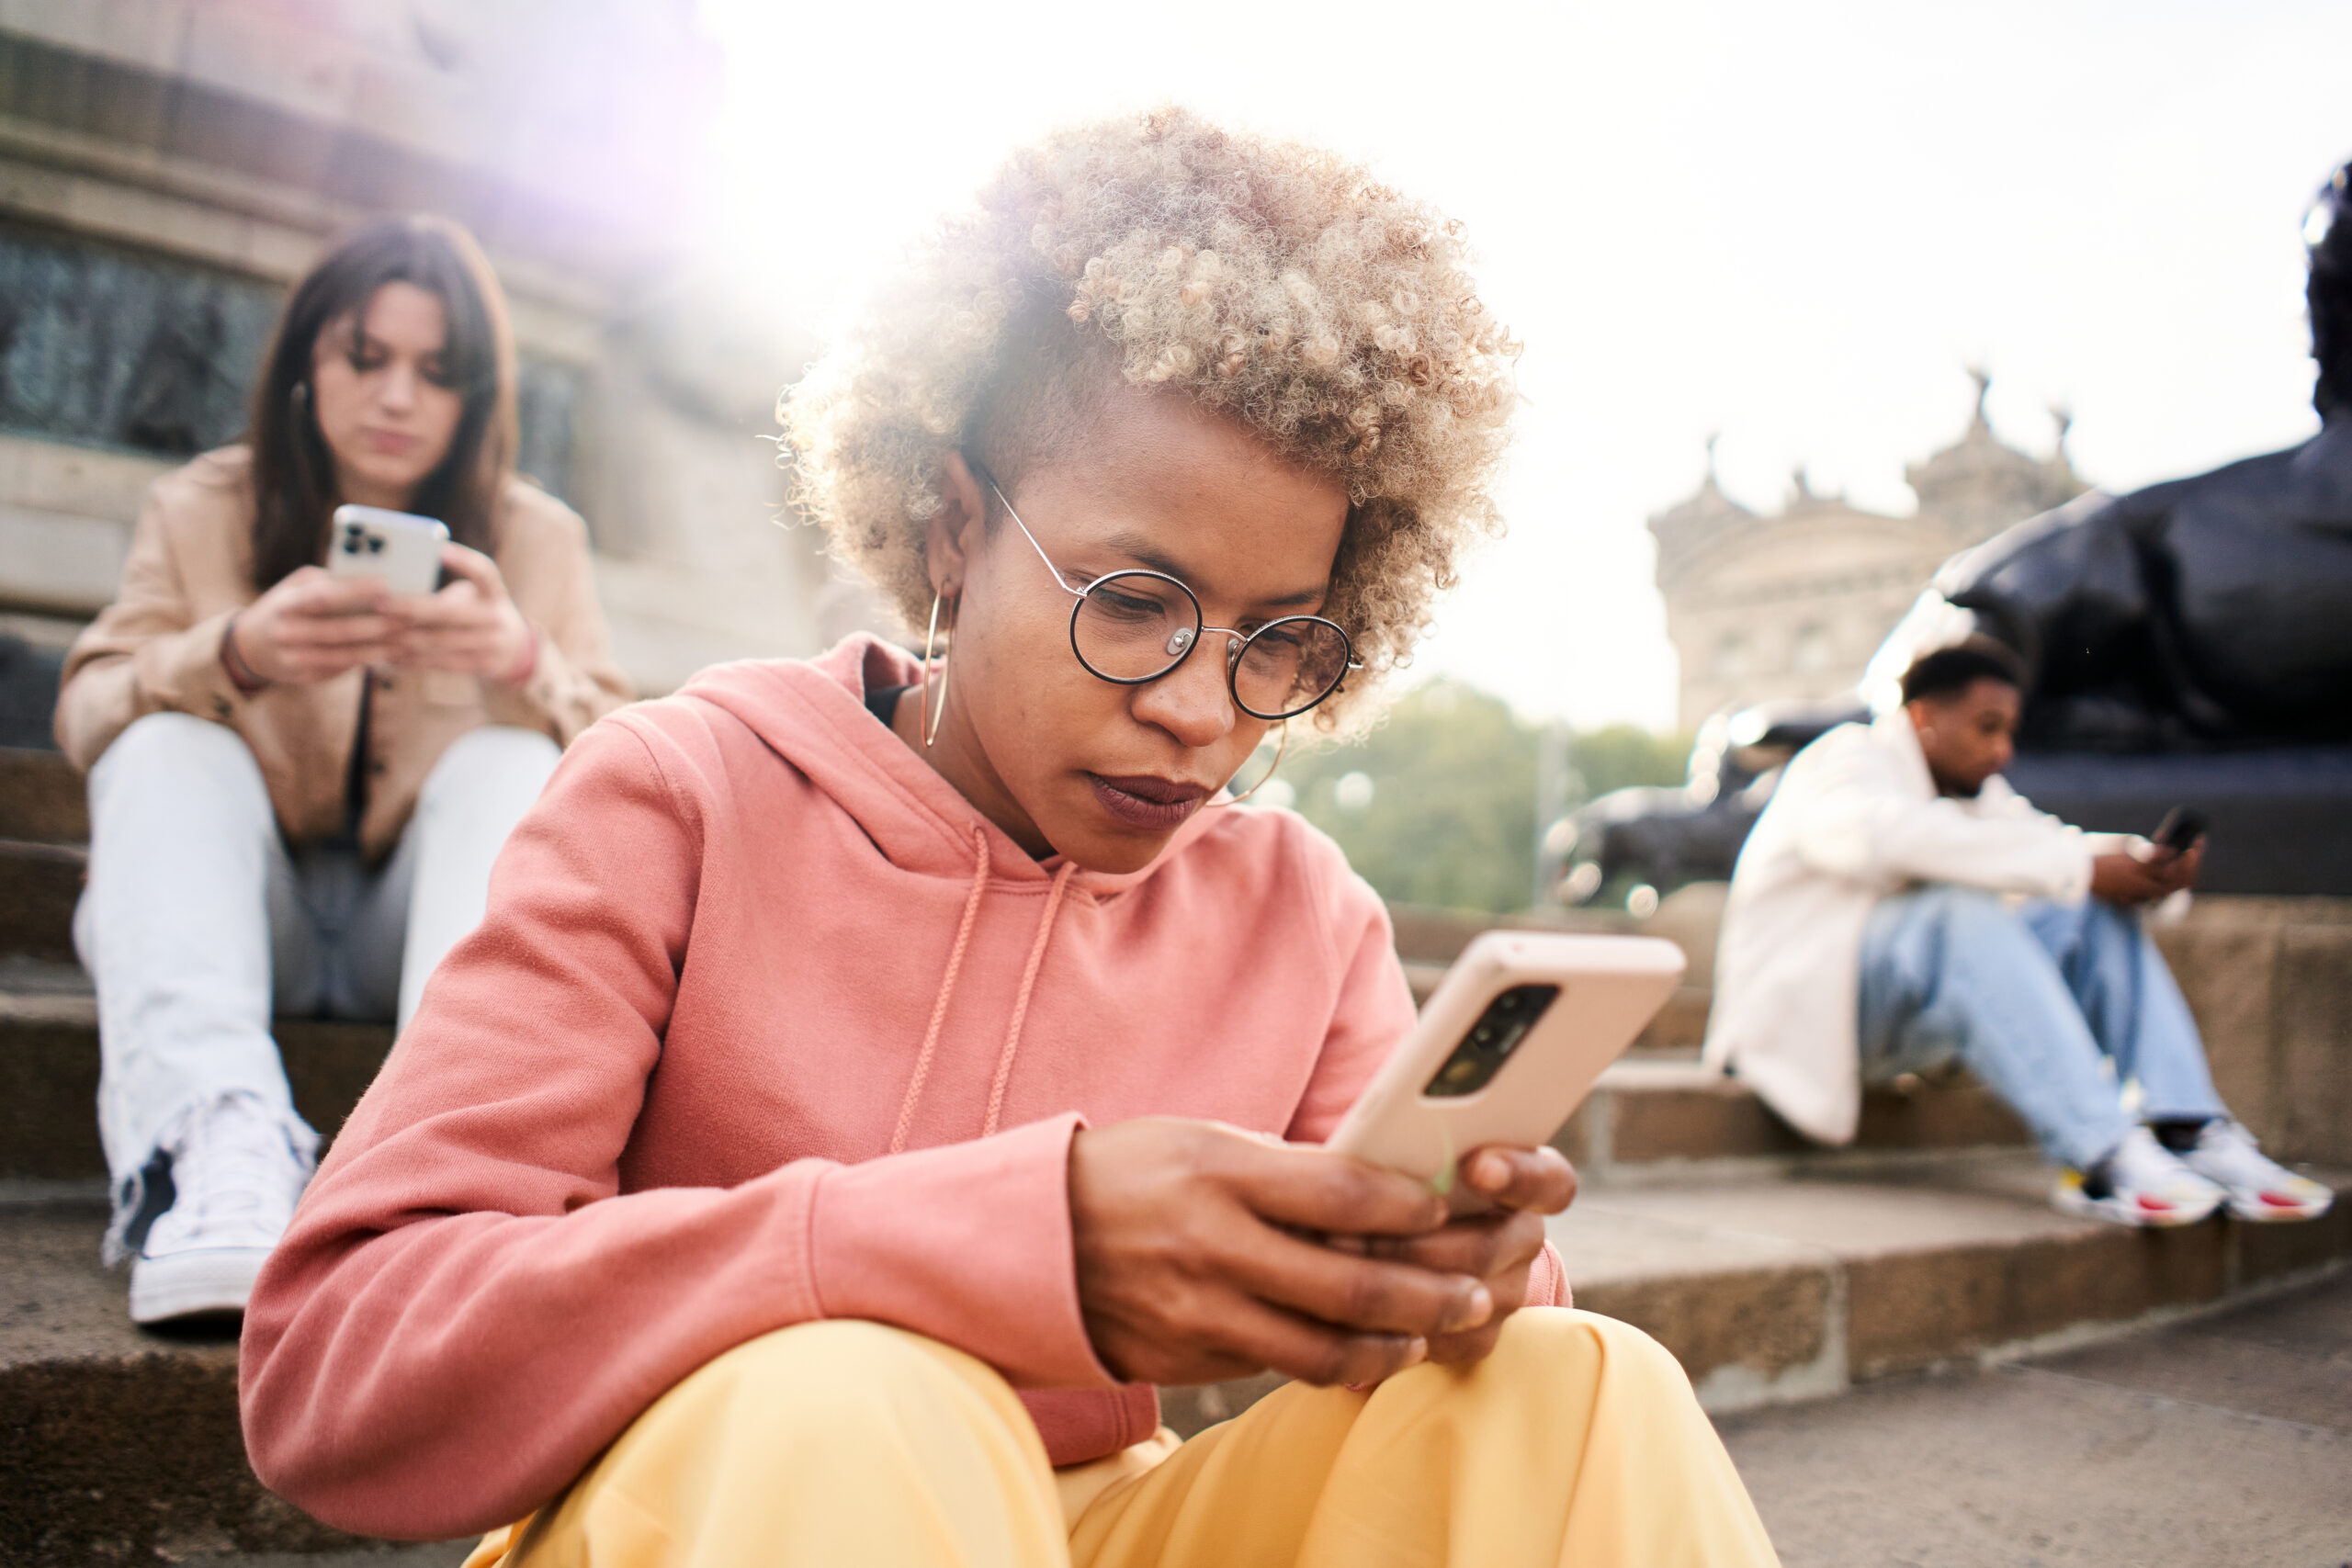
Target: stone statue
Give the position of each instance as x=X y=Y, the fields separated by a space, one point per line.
x=2204 y=614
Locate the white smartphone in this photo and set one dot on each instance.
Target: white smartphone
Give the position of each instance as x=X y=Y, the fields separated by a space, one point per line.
x=399 y=547
x=1505 y=1050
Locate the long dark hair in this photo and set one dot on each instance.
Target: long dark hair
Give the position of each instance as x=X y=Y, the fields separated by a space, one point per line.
x=293 y=473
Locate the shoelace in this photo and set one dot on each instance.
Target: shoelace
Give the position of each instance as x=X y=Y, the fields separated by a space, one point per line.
x=2142 y=1164
x=228 y=1163
x=2225 y=1137
x=2229 y=1153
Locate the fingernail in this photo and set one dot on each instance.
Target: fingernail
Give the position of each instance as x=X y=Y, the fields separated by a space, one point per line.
x=1489 y=1172
x=1477 y=1308
x=1416 y=1353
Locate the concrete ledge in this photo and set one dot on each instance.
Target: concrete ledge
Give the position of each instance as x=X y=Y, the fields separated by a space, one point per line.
x=41 y=798
x=1752 y=1317
x=115 y=1443
x=1651 y=1120
x=44 y=881
x=116 y=1446
x=1776 y=1289
x=2270 y=980
x=2270 y=983
x=48 y=1079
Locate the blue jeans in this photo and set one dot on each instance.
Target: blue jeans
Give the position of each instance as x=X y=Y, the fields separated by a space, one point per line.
x=2040 y=1002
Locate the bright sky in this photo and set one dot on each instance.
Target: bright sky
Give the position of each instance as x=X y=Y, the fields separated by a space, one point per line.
x=1795 y=223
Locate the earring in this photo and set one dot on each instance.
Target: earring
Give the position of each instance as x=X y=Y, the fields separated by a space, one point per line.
x=1282 y=744
x=931 y=718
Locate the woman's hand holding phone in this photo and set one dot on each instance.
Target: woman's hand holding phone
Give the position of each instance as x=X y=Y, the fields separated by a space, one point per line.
x=311 y=627
x=1497 y=1247
x=471 y=626
x=1201 y=1256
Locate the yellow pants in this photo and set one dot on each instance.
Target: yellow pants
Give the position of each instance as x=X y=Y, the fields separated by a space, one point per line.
x=848 y=1443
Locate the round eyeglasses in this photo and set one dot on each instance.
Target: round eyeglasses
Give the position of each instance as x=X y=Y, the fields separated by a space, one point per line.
x=1131 y=628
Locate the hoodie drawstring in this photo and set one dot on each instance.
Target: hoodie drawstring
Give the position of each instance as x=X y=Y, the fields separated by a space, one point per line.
x=1021 y=1001
x=947 y=989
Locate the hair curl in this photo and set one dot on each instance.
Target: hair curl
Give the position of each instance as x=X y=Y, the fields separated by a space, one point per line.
x=1275 y=283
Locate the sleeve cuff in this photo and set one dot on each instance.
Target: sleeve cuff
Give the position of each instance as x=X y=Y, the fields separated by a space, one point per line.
x=2075 y=884
x=189 y=675
x=969 y=1244
x=539 y=700
x=1547 y=1281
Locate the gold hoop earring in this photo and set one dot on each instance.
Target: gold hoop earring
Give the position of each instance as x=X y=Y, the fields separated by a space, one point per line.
x=1281 y=745
x=932 y=717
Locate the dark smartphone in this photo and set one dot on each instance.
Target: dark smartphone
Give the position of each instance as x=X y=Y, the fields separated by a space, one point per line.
x=2180 y=829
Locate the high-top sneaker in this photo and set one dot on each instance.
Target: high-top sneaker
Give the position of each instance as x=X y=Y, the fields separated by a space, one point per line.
x=236 y=1169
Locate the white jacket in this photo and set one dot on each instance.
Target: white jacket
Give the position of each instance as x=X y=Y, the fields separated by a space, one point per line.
x=1856 y=817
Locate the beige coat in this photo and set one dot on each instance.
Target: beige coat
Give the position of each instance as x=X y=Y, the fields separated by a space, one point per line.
x=1855 y=818
x=157 y=649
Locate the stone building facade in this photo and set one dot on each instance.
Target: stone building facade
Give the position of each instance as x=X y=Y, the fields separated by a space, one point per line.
x=168 y=167
x=1794 y=604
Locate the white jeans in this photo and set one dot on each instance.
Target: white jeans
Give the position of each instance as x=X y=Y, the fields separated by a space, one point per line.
x=198 y=922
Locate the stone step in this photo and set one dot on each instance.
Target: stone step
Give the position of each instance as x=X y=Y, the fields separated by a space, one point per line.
x=1794 y=1286
x=42 y=882
x=44 y=824
x=43 y=879
x=1646 y=1119
x=2268 y=980
x=118 y=1446
x=49 y=1071
x=121 y=1445
x=1649 y=1121
x=44 y=828
x=41 y=797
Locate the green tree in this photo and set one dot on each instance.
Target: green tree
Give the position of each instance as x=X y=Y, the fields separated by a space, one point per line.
x=1437 y=806
x=1622 y=754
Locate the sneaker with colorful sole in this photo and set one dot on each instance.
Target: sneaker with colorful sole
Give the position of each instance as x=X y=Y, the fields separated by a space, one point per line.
x=2140 y=1184
x=2260 y=1190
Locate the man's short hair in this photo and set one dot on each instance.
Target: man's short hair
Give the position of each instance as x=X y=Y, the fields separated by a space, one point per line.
x=1948 y=672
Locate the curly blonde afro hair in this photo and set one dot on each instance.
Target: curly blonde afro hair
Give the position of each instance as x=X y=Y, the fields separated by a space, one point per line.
x=1275 y=283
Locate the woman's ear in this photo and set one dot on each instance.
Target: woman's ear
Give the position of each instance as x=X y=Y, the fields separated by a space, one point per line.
x=955 y=529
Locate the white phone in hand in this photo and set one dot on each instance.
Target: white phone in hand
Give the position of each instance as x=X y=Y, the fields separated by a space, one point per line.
x=1505 y=1050
x=401 y=547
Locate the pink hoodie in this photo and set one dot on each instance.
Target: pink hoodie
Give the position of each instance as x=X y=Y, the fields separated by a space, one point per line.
x=766 y=1023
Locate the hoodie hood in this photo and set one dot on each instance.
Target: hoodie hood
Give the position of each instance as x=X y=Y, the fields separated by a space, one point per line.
x=814 y=714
